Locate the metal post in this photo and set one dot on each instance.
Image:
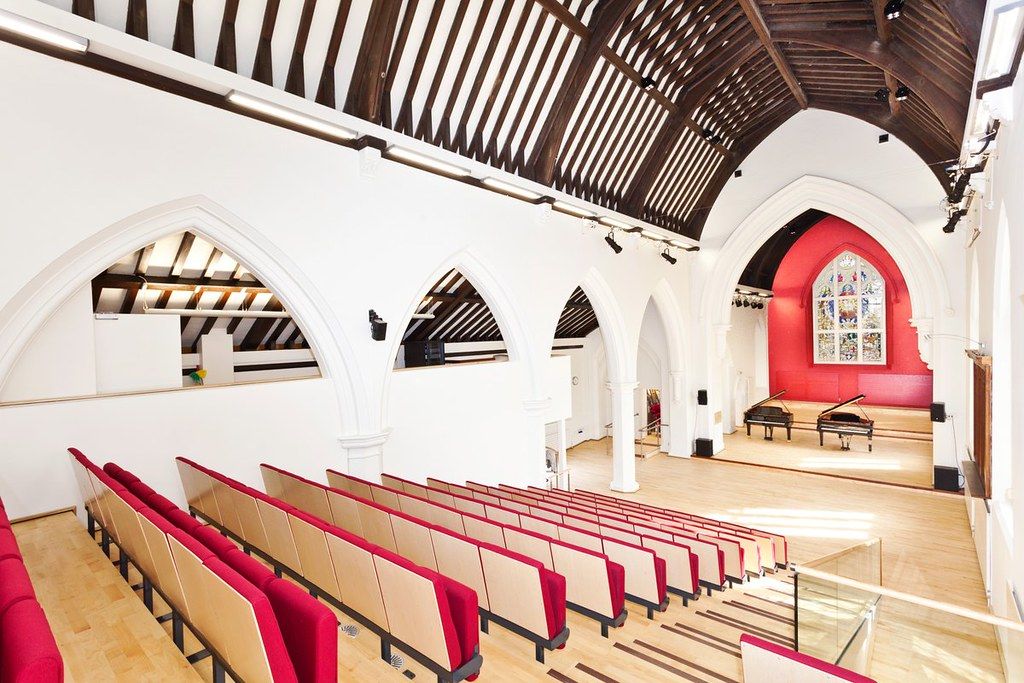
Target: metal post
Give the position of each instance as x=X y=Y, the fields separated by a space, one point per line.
x=177 y=632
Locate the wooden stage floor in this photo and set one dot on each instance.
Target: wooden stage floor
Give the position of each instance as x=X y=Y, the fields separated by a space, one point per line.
x=106 y=634
x=902 y=447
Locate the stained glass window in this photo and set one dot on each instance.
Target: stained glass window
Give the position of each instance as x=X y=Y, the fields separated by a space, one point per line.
x=848 y=301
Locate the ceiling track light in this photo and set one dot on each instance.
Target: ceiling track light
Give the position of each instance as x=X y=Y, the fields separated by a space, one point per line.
x=893 y=9
x=647 y=83
x=610 y=239
x=42 y=33
x=566 y=207
x=954 y=218
x=902 y=93
x=669 y=257
x=882 y=94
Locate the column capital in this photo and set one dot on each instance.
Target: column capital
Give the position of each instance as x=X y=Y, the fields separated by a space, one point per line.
x=536 y=406
x=361 y=441
x=622 y=386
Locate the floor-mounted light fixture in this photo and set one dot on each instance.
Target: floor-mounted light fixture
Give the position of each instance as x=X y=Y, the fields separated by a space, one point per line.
x=669 y=257
x=42 y=33
x=902 y=93
x=610 y=239
x=893 y=8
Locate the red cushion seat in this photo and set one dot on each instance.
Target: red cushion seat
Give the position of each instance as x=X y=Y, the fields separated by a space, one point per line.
x=28 y=652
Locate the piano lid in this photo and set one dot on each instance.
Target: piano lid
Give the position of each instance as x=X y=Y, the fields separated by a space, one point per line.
x=770 y=398
x=847 y=402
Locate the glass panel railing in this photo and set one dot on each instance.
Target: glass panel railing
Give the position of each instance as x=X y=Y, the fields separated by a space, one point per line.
x=893 y=636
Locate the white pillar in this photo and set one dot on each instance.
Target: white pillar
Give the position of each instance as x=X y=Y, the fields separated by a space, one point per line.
x=679 y=444
x=562 y=464
x=536 y=410
x=623 y=457
x=364 y=454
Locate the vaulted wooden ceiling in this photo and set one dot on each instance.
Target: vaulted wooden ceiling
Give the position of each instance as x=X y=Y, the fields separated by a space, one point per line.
x=646 y=107
x=186 y=272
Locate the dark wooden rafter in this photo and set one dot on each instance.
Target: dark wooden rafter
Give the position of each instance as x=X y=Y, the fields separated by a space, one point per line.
x=325 y=91
x=578 y=318
x=604 y=21
x=753 y=13
x=295 y=83
x=893 y=58
x=460 y=313
x=260 y=327
x=137 y=21
x=263 y=67
x=366 y=90
x=208 y=324
x=641 y=106
x=184 y=30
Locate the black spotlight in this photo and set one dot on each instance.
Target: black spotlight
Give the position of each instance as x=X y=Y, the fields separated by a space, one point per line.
x=378 y=328
x=954 y=218
x=711 y=136
x=616 y=247
x=746 y=304
x=902 y=93
x=882 y=94
x=669 y=257
x=647 y=82
x=893 y=8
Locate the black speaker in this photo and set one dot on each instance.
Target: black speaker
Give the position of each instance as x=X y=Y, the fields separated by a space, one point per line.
x=938 y=412
x=705 y=448
x=702 y=397
x=947 y=478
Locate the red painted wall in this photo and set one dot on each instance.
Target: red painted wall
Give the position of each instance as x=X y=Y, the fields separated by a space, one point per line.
x=903 y=381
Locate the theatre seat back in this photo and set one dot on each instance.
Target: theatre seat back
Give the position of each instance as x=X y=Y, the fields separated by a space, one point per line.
x=584 y=573
x=357 y=577
x=514 y=589
x=314 y=557
x=460 y=559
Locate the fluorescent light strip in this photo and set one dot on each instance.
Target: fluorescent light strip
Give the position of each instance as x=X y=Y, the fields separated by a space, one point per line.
x=502 y=186
x=616 y=223
x=650 y=234
x=43 y=33
x=290 y=115
x=573 y=209
x=429 y=162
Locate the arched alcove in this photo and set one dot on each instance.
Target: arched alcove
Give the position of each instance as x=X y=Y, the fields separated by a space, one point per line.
x=39 y=300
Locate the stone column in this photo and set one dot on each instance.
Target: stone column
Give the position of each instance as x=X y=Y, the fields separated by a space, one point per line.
x=623 y=456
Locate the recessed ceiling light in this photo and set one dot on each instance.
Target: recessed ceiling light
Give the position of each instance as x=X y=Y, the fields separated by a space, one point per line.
x=424 y=160
x=41 y=32
x=276 y=111
x=509 y=188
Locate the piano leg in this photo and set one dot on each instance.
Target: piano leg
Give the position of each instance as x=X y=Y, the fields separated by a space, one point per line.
x=789 y=433
x=748 y=429
x=869 y=443
x=821 y=438
x=769 y=432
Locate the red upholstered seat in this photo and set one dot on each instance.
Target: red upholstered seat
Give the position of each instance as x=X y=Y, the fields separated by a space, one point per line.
x=617 y=583
x=310 y=631
x=209 y=537
x=449 y=598
x=281 y=668
x=187 y=540
x=15 y=584
x=8 y=544
x=28 y=652
x=661 y=576
x=5 y=523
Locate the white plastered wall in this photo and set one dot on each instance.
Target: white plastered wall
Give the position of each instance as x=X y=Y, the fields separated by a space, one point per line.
x=320 y=229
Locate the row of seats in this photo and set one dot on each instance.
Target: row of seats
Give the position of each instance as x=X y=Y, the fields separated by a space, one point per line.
x=646 y=572
x=741 y=548
x=28 y=651
x=680 y=557
x=431 y=617
x=255 y=626
x=516 y=591
x=595 y=581
x=741 y=552
x=715 y=558
x=771 y=548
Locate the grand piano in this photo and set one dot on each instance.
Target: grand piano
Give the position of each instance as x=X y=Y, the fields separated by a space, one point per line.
x=769 y=417
x=845 y=425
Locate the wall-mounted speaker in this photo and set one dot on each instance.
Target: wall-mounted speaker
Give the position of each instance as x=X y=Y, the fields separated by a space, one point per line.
x=702 y=397
x=938 y=411
x=704 y=448
x=947 y=478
